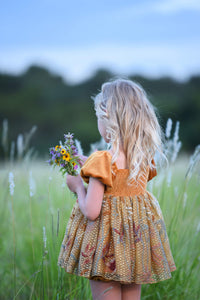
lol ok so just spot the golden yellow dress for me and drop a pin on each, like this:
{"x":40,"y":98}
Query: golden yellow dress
{"x":128,"y":242}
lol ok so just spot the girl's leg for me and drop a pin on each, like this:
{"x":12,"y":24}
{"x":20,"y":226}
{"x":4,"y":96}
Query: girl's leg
{"x":131,"y":291}
{"x":105,"y":290}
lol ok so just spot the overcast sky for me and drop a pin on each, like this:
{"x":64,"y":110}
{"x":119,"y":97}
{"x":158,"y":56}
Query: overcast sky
{"x":74,"y":38}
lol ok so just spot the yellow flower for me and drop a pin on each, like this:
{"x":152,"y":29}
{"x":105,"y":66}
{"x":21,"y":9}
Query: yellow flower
{"x":63,"y":152}
{"x":57,"y":147}
{"x":57,"y":162}
{"x":75,"y":166}
{"x":66,"y":157}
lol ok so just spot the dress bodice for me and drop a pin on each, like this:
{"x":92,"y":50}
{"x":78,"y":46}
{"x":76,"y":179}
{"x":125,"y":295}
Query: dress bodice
{"x":121,"y":187}
{"x":99,"y":166}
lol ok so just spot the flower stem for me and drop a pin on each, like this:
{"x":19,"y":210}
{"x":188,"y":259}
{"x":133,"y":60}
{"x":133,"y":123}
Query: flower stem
{"x":14,"y":246}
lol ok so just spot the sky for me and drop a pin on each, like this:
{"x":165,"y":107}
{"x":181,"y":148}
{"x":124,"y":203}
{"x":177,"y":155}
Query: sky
{"x":152,"y":38}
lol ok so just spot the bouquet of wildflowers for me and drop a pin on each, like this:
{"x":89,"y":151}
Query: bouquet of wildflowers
{"x":66,"y":156}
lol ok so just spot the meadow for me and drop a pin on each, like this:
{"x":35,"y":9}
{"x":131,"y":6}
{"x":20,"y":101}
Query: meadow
{"x":35,"y":207}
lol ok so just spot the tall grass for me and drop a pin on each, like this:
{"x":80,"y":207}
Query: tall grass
{"x":40,"y":223}
{"x":39,"y":227}
{"x":34,"y":216}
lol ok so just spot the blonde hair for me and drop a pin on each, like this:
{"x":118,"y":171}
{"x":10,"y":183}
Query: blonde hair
{"x":130,"y":119}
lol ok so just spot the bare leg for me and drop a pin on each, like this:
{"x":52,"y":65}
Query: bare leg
{"x":131,"y":291}
{"x":105,"y":290}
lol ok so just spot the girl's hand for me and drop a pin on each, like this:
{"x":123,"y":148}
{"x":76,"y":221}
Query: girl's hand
{"x":74,"y":182}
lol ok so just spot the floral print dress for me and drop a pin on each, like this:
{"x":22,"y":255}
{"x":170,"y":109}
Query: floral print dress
{"x":128,"y":242}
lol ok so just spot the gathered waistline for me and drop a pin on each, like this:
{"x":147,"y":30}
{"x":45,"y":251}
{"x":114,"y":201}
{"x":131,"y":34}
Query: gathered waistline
{"x":139,"y":193}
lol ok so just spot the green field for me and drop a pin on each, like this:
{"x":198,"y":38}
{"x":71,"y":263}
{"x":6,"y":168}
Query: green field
{"x":32,"y":228}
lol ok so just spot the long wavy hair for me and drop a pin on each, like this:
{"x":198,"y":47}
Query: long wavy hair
{"x":131,"y":121}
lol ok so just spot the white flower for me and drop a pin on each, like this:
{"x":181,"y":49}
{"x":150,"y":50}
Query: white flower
{"x":12,"y":151}
{"x":198,"y":227}
{"x":176,"y":143}
{"x":194,"y":160}
{"x":168,"y":128}
{"x":101,"y":145}
{"x":12,"y":184}
{"x":31,"y":184}
{"x":78,"y":146}
{"x":20,"y":145}
{"x":169,"y":177}
{"x":5,"y":135}
{"x":184,"y":199}
{"x":176,"y":191}
{"x":176,"y":136}
{"x":44,"y":237}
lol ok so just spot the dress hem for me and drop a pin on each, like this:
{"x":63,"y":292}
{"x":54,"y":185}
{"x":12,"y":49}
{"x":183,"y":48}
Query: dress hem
{"x":100,"y":277}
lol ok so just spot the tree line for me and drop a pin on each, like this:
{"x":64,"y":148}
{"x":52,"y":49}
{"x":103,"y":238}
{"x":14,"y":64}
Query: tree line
{"x":39,"y":97}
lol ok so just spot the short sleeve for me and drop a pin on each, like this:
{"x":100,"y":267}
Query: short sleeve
{"x":152,"y":171}
{"x":98,"y":165}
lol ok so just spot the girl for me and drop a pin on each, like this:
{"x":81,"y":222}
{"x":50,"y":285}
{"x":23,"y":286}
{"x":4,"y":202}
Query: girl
{"x":116,"y":234}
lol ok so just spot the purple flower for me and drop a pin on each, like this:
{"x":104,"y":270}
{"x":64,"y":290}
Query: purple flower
{"x":66,"y":147}
{"x":75,"y":152}
{"x":68,"y":136}
{"x":49,"y":161}
{"x":58,"y":159}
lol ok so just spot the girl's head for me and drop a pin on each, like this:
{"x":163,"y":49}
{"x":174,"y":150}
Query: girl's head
{"x":130,"y":122}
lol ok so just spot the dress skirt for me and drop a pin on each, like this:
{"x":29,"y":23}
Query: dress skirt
{"x":127,"y":243}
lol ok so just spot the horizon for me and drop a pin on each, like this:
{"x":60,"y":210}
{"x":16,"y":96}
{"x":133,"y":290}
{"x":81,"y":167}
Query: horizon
{"x":90,"y":77}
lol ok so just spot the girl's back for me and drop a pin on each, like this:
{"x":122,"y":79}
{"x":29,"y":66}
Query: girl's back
{"x":128,"y":241}
{"x":116,"y":232}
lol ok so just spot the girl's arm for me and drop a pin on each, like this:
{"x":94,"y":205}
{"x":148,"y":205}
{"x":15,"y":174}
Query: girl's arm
{"x":90,"y":201}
